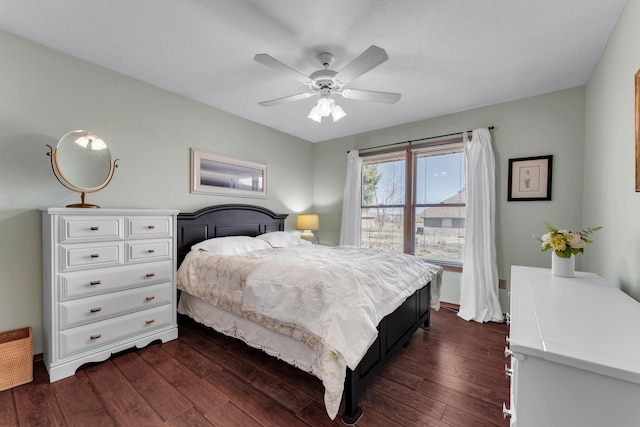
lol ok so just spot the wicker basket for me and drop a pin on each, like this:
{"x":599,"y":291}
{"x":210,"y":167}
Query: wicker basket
{"x":16,"y":358}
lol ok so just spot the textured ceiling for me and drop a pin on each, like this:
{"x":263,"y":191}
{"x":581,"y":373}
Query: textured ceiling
{"x":445,"y":56}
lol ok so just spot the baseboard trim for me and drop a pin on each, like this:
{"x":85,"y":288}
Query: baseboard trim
{"x":450,"y":306}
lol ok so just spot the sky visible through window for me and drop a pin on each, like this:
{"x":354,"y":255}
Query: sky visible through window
{"x":438,"y":178}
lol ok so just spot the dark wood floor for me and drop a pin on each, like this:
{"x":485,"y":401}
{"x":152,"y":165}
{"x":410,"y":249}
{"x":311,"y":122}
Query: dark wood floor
{"x":449,"y":375}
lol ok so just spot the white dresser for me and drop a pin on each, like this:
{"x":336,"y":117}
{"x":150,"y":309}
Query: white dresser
{"x":108,"y":283}
{"x":575,"y":351}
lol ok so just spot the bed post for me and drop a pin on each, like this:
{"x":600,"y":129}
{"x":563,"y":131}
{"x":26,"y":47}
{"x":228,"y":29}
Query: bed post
{"x":352,"y":412}
{"x":427,"y":321}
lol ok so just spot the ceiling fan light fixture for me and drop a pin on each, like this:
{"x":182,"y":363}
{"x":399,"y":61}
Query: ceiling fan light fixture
{"x":83,"y":141}
{"x":94,"y":143}
{"x":337,"y":112}
{"x":98,"y":144}
{"x":314,"y":115}
{"x":324,"y":106}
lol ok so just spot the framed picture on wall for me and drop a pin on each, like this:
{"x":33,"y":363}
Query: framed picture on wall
{"x":530,"y":178}
{"x":218,"y":174}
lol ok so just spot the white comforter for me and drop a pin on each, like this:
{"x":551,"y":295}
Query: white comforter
{"x":332,"y":299}
{"x":339,"y":294}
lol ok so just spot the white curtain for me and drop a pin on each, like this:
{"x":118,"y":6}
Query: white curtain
{"x":479,"y":282}
{"x":350,"y":225}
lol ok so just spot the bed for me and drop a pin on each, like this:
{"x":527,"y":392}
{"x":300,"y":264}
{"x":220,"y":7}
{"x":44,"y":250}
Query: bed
{"x":345,"y":360}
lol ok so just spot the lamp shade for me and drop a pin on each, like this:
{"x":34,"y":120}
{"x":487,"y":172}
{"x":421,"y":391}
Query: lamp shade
{"x":326,"y":106}
{"x":337,"y":112}
{"x":308,"y":222}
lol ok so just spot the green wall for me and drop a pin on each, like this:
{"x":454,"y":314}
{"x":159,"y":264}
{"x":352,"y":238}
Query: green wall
{"x":589,"y":130}
{"x":610,"y":199}
{"x":45,"y":94}
{"x":547,"y":124}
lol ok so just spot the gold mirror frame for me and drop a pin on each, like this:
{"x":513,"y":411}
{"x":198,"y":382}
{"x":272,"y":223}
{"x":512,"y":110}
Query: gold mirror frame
{"x":64,"y":180}
{"x":638,"y":131}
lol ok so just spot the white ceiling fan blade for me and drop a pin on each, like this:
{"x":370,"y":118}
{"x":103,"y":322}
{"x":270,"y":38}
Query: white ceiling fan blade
{"x":371,"y":95}
{"x":286,"y":99}
{"x":368,"y":60}
{"x":274,"y":64}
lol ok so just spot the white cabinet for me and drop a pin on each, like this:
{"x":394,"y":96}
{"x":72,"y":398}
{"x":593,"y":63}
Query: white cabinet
{"x":575,"y":350}
{"x":108,"y":283}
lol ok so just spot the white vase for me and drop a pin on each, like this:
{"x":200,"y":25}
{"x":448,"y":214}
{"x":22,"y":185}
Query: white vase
{"x":562,"y":267}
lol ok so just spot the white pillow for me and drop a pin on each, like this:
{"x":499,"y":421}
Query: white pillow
{"x":231,"y":245}
{"x":282,"y":239}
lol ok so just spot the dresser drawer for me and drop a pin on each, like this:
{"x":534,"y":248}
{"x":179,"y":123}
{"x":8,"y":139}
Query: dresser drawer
{"x":92,"y":309}
{"x":80,"y":284}
{"x":100,"y":334}
{"x":141,"y":227}
{"x":149,"y":250}
{"x":513,"y":388}
{"x":90,"y":228}
{"x":94,"y":255}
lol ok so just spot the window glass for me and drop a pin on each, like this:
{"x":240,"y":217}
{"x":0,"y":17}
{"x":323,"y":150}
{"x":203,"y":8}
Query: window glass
{"x":440,"y":205}
{"x":437,"y":213}
{"x":383,"y":202}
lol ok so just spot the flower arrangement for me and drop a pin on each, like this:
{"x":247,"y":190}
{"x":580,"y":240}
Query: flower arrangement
{"x":565,"y":242}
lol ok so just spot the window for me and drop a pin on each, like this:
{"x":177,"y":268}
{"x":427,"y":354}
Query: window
{"x":413,"y":201}
{"x":383,"y":201}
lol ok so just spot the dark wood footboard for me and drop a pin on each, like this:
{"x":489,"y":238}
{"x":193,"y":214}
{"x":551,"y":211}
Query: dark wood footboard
{"x":394,"y":332}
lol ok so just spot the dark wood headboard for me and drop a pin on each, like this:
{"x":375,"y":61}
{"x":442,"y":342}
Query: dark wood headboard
{"x":224,"y":220}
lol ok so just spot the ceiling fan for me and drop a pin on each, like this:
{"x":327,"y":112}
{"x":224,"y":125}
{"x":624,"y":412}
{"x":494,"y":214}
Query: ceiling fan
{"x":326,"y":82}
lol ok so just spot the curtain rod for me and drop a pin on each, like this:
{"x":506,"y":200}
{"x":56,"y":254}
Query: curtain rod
{"x":418,"y":140}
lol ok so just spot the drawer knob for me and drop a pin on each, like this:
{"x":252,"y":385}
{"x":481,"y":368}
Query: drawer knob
{"x":95,"y":255}
{"x":150,"y":298}
{"x":151,"y":227}
{"x":96,"y":309}
{"x":506,"y":412}
{"x":95,"y":228}
{"x":95,"y":337}
{"x":507,"y":352}
{"x":151,"y":251}
{"x":150,"y":321}
{"x":508,"y":372}
{"x":508,"y":318}
{"x":95,"y":282}
{"x":151,"y":274}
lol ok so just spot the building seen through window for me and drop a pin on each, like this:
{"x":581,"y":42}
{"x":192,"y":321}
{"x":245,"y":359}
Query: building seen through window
{"x":413,"y":201}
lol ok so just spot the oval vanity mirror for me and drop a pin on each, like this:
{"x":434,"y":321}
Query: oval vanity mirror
{"x":82,"y":163}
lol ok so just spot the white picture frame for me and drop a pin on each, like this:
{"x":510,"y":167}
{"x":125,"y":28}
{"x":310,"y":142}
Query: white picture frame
{"x":223,"y":175}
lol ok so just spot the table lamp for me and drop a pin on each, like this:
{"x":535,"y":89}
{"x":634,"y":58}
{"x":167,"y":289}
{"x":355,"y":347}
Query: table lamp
{"x":308,"y":222}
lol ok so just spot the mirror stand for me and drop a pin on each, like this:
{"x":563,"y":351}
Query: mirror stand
{"x":82,"y":203}
{"x":57,"y":172}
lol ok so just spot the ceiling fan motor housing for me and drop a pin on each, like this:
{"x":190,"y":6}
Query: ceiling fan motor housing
{"x":324,"y":79}
{"x":326,"y":59}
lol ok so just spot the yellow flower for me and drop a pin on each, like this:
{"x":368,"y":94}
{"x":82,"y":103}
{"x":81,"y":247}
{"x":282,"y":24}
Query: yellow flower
{"x":558,"y":242}
{"x":564,"y":242}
